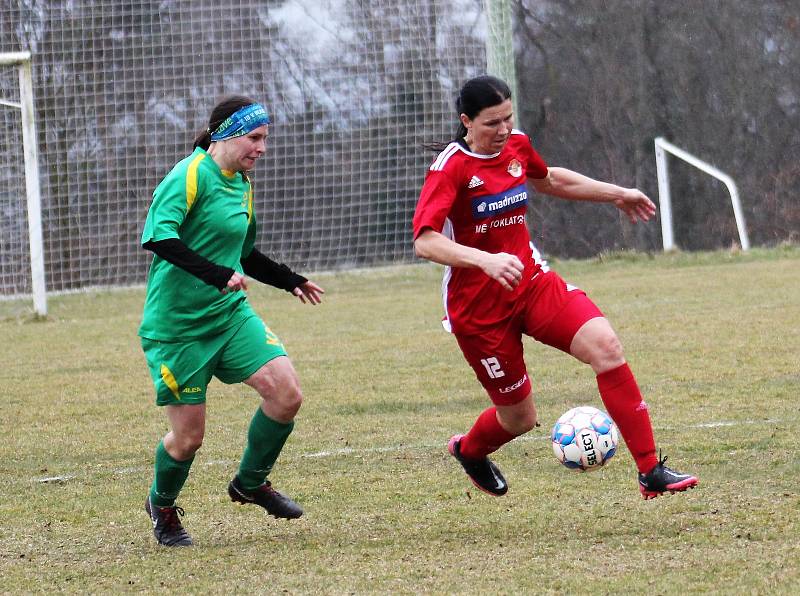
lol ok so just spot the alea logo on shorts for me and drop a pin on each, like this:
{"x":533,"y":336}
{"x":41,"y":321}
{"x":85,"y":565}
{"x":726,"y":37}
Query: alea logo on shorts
{"x":491,"y":205}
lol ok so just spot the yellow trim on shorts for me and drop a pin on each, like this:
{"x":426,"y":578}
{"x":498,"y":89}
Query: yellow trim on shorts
{"x":169,"y":381}
{"x":191,"y":180}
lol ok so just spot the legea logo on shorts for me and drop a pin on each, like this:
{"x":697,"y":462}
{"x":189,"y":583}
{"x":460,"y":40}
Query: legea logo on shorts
{"x":191,"y":390}
{"x":490,"y":205}
{"x":515,"y":386}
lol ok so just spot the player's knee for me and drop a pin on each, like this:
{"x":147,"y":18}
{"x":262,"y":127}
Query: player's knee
{"x":279,"y":387}
{"x":607,"y":352}
{"x":291,"y":400}
{"x":187,"y":444}
{"x":612,"y":347}
{"x":283,"y":401}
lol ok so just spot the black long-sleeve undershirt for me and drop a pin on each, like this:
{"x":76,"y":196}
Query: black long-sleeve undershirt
{"x":259,"y":266}
{"x":256,"y":265}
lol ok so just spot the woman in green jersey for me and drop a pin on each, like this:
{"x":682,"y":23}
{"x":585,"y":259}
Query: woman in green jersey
{"x":197,"y":322}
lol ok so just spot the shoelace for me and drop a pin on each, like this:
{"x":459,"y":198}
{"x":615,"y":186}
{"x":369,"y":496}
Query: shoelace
{"x":659,"y":466}
{"x":266,"y":488}
{"x":666,"y":472}
{"x":170,"y":517}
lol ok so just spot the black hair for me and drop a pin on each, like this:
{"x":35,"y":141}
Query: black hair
{"x":224,"y":108}
{"x":477,"y":94}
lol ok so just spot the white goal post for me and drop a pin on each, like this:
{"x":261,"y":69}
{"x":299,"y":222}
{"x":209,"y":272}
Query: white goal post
{"x":22,"y":60}
{"x":665,"y":200}
{"x":500,"y":44}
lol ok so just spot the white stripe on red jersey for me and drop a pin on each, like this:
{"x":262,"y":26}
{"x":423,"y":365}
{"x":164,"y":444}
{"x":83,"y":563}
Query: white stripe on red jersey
{"x":440,"y":161}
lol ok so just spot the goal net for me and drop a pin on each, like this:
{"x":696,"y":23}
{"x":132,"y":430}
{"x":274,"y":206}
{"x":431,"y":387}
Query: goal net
{"x":15,"y":264}
{"x":121,"y":88}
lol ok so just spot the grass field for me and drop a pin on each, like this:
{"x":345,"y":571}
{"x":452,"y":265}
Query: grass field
{"x":713,"y":338}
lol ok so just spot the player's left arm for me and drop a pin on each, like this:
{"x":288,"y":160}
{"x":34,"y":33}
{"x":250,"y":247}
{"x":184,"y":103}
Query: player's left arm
{"x":259,"y":266}
{"x":570,"y":185}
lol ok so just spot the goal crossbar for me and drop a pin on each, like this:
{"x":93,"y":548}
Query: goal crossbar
{"x":13,"y":58}
{"x":662,"y":146}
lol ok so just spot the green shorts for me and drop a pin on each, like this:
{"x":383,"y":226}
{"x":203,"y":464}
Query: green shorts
{"x":181,"y":371}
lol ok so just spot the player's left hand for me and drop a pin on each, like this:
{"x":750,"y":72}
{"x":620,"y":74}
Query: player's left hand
{"x":235,"y":283}
{"x":309,"y":292}
{"x":636,"y":205}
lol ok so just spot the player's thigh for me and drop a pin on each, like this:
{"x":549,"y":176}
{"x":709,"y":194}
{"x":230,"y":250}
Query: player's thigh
{"x":277,"y":381}
{"x":597,"y":344}
{"x":497,"y":358}
{"x":247,"y":350}
{"x":556,"y":310}
{"x":180,"y":371}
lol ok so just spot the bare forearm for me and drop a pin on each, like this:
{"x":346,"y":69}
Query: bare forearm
{"x":436,"y":247}
{"x":506,"y":269}
{"x":567,"y":184}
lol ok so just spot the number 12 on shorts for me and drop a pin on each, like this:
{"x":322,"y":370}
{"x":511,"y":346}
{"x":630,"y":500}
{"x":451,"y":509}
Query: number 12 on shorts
{"x":493,"y":368}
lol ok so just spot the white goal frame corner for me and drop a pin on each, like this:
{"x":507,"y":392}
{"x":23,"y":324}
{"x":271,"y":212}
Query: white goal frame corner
{"x":662,"y":147}
{"x":22,"y":60}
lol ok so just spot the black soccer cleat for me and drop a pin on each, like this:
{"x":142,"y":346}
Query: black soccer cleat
{"x":167,"y":526}
{"x":661,"y":479}
{"x":483,"y":472}
{"x":276,"y":504}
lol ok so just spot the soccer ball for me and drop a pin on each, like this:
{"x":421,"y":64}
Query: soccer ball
{"x":584,"y":438}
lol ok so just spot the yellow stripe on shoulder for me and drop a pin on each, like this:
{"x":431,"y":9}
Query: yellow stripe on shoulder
{"x":191,"y":180}
{"x":250,"y":203}
{"x":169,"y":381}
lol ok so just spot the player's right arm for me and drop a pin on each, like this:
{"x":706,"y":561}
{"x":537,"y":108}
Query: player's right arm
{"x":504,"y":268}
{"x":172,"y":200}
{"x":174,"y":251}
{"x":436,"y":200}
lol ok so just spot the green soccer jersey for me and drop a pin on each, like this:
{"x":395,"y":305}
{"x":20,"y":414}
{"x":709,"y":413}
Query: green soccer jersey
{"x":211,"y":211}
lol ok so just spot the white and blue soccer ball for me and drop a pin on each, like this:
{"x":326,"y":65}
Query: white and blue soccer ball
{"x":584,"y":438}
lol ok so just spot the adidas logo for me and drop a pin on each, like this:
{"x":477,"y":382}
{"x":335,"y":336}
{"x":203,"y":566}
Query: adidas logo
{"x":474,"y":182}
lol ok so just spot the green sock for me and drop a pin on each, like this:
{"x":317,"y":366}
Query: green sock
{"x":169,"y":478}
{"x":265,"y":439}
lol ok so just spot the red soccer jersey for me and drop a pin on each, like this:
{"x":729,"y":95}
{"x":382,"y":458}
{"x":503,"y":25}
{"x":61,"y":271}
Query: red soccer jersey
{"x":480,"y":201}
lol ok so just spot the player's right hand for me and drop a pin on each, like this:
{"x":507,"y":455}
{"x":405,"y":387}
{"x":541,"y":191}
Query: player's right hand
{"x":504,"y":268}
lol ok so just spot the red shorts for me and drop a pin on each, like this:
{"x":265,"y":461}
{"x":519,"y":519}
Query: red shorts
{"x":551,"y":312}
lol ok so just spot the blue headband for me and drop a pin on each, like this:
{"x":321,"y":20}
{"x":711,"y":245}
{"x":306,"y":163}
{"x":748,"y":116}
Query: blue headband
{"x":241,"y":122}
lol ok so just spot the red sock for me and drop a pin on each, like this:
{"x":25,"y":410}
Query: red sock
{"x":626,"y":407}
{"x":485,"y":436}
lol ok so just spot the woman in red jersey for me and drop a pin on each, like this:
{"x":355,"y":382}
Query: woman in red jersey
{"x":471,"y":218}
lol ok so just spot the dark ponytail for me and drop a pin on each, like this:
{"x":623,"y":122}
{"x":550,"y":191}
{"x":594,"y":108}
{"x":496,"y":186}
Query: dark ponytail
{"x":477,"y":94}
{"x":461,"y":131}
{"x":226,"y":106}
{"x":203,"y":140}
